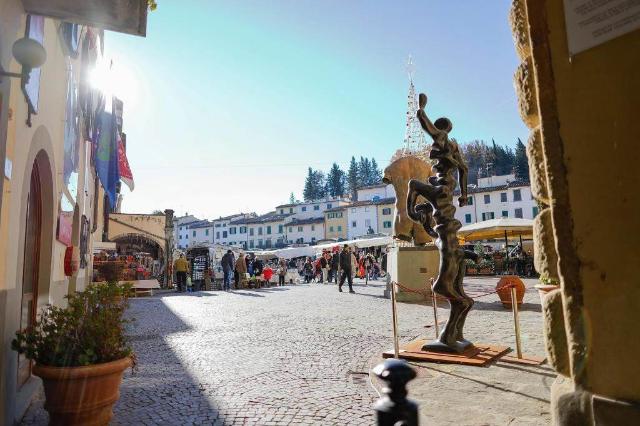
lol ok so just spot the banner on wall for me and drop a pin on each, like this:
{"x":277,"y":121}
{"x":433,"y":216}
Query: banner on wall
{"x":106,"y":157}
{"x":126,"y":175}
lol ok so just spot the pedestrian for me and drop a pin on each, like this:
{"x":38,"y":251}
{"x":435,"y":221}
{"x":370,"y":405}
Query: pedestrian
{"x":324,"y":266}
{"x":241,"y":270}
{"x":307,"y":269}
{"x":267,"y":273}
{"x":346,"y":264}
{"x":228,"y":263}
{"x":335,"y":266}
{"x":181,"y":266}
{"x":282,"y":271}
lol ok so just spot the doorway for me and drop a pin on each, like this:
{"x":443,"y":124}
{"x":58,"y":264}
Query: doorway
{"x":31,"y":265}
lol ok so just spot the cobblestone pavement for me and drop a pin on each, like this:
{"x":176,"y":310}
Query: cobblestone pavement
{"x":301,"y":355}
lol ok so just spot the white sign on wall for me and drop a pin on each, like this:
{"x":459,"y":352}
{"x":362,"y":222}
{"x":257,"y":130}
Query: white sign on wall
{"x":593,"y":22}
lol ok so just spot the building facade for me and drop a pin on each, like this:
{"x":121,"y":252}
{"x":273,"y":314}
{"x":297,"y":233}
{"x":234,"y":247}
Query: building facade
{"x":495,"y":197}
{"x":52,"y":205}
{"x":335,"y":223}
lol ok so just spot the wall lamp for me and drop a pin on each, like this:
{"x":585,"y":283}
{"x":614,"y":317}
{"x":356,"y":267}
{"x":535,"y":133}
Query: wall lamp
{"x":30,"y":54}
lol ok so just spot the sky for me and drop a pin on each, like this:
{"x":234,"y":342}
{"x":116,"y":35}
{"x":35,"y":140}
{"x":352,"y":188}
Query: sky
{"x":227,"y":103}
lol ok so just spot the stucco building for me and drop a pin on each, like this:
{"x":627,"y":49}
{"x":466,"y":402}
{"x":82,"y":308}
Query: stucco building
{"x":52,"y":205}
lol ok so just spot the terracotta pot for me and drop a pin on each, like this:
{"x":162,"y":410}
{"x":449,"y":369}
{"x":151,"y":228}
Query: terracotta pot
{"x":543,"y":289}
{"x":472,"y":271}
{"x":504,"y":291}
{"x":82,"y":395}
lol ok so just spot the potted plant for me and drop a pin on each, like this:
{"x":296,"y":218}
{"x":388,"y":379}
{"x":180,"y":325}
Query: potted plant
{"x":547,"y":284}
{"x":80,"y":352}
{"x":486,"y":266}
{"x":471,"y":267}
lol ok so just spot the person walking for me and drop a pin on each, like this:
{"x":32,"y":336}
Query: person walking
{"x":282,"y":271}
{"x":181,"y":266}
{"x":227,"y":262}
{"x":335,"y":266}
{"x":346,"y":264}
{"x":241,"y":270}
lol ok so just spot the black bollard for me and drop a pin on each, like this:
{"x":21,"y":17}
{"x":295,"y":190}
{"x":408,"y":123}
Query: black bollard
{"x":393,"y":408}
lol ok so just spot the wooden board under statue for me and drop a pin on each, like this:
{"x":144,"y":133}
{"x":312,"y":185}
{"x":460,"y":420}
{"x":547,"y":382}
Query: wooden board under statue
{"x":411,"y":266}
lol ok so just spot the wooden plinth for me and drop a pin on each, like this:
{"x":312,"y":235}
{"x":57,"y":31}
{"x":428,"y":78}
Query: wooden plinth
{"x":479,"y":355}
{"x":526,"y":360}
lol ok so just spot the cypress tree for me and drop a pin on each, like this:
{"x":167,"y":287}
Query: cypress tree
{"x":352,"y":179}
{"x":521,"y":163}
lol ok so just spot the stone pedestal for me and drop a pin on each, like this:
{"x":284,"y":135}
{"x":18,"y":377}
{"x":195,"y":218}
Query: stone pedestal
{"x":413,"y":268}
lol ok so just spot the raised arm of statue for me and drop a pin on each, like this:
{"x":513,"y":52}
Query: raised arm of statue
{"x":426,"y":124}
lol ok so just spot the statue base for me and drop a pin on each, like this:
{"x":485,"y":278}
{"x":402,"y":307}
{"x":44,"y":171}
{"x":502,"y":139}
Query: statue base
{"x":413,"y":268}
{"x":478,"y":355}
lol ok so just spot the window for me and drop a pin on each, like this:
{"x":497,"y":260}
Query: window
{"x":505,"y":213}
{"x":313,"y":239}
{"x":217,"y":225}
{"x":386,"y":224}
{"x":313,"y":227}
{"x":181,"y":228}
{"x":224,"y":234}
{"x":316,"y":207}
{"x":339,"y":228}
{"x":268,"y":229}
{"x":259,"y":230}
{"x":224,"y":225}
{"x":268,"y":243}
{"x":186,"y":236}
{"x":518,"y":213}
{"x":304,"y":208}
{"x":367,"y":223}
{"x":194,"y":233}
{"x":281,"y":211}
{"x":503,"y":197}
{"x":299,"y":228}
{"x":232,"y":230}
{"x":243,"y":229}
{"x":290,"y":229}
{"x":353,"y":224}
{"x":334,"y":215}
{"x":329,"y":205}
{"x":331,"y":229}
{"x":180,"y":236}
{"x":218,"y":235}
{"x":366,"y":209}
{"x":206,"y":232}
{"x":291,"y":210}
{"x":470,"y":200}
{"x":386,"y":211}
{"x":534,"y":211}
{"x":260,"y":243}
{"x":517,"y":196}
{"x":353,"y":210}
{"x":251,"y":244}
{"x":467,"y":218}
{"x":488,"y":215}
{"x":280,"y":229}
{"x":251,"y":232}
{"x":487,"y":198}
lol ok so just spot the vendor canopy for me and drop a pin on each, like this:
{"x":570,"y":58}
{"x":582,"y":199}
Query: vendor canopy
{"x":497,"y":228}
{"x":292,"y":252}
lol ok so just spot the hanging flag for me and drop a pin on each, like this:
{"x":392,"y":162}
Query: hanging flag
{"x":123,"y":165}
{"x":106,"y":158}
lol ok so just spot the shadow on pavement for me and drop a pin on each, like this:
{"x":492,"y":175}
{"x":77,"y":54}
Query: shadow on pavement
{"x":497,"y":306}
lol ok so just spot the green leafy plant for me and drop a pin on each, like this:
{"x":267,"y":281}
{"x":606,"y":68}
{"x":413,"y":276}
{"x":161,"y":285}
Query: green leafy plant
{"x":90,"y":330}
{"x":486,"y":264}
{"x":546,"y":280}
{"x":470,"y":263}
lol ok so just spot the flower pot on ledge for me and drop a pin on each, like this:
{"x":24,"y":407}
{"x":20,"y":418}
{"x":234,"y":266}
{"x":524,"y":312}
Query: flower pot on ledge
{"x":82,"y":395}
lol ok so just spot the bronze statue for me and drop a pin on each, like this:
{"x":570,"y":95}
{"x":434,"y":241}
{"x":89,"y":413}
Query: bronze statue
{"x":439,"y":210}
{"x":398,"y":173}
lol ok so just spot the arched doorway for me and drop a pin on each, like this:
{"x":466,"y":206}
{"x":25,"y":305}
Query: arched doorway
{"x":31,"y":264}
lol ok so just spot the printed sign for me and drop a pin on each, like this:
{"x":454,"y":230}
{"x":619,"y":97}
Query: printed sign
{"x":593,"y":22}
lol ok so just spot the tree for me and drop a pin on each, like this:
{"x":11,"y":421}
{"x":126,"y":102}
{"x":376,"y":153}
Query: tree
{"x":376,"y":173}
{"x":157,"y":212}
{"x":320,"y":188}
{"x":335,"y":181}
{"x":352,"y":179}
{"x":521,"y":163}
{"x":292,"y":198}
{"x":364,"y":171}
{"x":308,"y":192}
